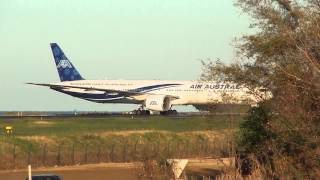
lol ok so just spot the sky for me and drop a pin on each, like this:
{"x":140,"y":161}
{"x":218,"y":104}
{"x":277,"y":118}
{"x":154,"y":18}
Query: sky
{"x":109,"y":39}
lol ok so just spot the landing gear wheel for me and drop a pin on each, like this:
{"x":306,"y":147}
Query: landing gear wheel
{"x":141,"y":112}
{"x":174,"y":112}
{"x":148,"y":113}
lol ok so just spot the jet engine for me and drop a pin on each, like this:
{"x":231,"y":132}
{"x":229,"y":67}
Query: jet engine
{"x":158,"y":103}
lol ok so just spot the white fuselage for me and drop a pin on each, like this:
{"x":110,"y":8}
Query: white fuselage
{"x":188,"y":92}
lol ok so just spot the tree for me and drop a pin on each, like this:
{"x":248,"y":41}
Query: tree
{"x":283,"y":56}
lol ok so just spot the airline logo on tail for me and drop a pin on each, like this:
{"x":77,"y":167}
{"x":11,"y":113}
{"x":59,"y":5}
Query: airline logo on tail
{"x":64,"y":64}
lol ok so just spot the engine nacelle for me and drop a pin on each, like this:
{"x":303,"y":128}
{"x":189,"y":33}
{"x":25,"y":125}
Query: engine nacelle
{"x":158,"y":103}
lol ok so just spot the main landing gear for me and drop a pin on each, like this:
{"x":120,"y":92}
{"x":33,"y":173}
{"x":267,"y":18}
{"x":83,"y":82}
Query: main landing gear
{"x":142,"y":111}
{"x":169,"y":113}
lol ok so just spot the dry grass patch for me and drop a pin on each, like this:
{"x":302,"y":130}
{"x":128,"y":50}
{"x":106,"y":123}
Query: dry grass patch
{"x":38,"y":139}
{"x":43,"y":123}
{"x":128,"y":133}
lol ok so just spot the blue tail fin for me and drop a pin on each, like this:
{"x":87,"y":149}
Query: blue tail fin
{"x":66,"y":70}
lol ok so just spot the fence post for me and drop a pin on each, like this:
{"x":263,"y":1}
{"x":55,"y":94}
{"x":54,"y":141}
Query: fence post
{"x":207,"y":147}
{"x":168,"y":149}
{"x":112,"y":153}
{"x":99,"y":153}
{"x":14,"y":155}
{"x":222,"y":146}
{"x":199,"y":147}
{"x":214,"y":152}
{"x":72,"y":154}
{"x":29,"y":155}
{"x":186,"y":147}
{"x":59,"y":155}
{"x":135,"y":150}
{"x":176,"y":149}
{"x":44,"y":155}
{"x":86,"y":153}
{"x":124,"y":152}
{"x":157,"y":148}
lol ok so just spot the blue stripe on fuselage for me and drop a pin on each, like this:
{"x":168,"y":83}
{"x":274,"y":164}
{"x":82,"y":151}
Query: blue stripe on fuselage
{"x":86,"y":95}
{"x":118,"y":98}
{"x":153,"y":87}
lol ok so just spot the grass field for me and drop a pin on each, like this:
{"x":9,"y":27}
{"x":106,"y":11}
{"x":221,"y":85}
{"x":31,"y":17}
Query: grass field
{"x":86,"y":125}
{"x":74,"y":140}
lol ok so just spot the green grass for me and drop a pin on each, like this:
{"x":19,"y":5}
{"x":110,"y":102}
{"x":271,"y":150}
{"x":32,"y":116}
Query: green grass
{"x":86,"y":136}
{"x":87,"y":125}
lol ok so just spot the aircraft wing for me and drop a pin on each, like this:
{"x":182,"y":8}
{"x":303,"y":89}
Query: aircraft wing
{"x":132,"y":94}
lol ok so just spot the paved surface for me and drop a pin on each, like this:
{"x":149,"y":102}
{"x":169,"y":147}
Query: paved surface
{"x":117,"y":171}
{"x":86,"y":172}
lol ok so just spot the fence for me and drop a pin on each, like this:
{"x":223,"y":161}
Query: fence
{"x":118,"y":149}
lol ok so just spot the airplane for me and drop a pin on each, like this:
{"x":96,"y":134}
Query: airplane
{"x":151,"y":95}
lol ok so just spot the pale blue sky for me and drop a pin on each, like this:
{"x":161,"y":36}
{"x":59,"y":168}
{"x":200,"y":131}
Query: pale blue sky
{"x":113,"y":39}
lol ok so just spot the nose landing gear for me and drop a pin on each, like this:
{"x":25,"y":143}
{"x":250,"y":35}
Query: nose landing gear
{"x":141,"y":111}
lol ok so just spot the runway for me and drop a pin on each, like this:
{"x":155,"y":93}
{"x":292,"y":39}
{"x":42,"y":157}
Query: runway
{"x":104,"y":114}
